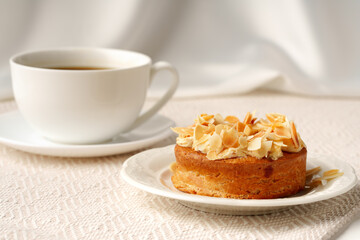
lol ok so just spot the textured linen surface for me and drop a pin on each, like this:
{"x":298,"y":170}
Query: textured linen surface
{"x":45,"y":197}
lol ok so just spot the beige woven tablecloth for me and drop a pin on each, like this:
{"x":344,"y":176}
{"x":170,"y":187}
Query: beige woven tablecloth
{"x":56,"y":198}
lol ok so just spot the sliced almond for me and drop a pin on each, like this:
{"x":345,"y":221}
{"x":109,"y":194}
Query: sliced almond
{"x":247,"y":130}
{"x":219,"y":119}
{"x":326,"y":177}
{"x":290,"y":146}
{"x":219,"y":128}
{"x":243,"y":142}
{"x":232,"y":119}
{"x":330,"y":172}
{"x":294,"y":135}
{"x":183,"y":131}
{"x":279,"y":143}
{"x":277,"y":124}
{"x":203,"y":139}
{"x":240,"y":127}
{"x":200,"y":120}
{"x":266,"y":145}
{"x":229,"y":138}
{"x":205,"y":123}
{"x":215,"y":143}
{"x":272,"y":136}
{"x":259,"y":134}
{"x":207,"y":117}
{"x":248,"y":118}
{"x":236,"y":144}
{"x":275,"y":151}
{"x":282,"y":132}
{"x":330,"y":177}
{"x":276,"y":117}
{"x":264,"y":122}
{"x":254,"y":144}
{"x":210,"y":129}
{"x":199,"y":131}
{"x":270,"y":117}
{"x":336,"y":176}
{"x":313,"y":171}
{"x":248,"y":138}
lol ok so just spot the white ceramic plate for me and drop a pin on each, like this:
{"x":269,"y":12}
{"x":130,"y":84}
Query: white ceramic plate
{"x":149,"y":171}
{"x":16,"y":133}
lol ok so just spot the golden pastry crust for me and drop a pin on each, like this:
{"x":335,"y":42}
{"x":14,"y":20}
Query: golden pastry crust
{"x":242,"y":177}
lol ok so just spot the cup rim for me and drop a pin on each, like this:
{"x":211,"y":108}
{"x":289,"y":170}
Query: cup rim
{"x":14,"y":58}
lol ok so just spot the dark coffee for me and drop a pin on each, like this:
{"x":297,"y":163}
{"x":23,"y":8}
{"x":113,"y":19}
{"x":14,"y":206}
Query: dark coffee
{"x":78,"y":68}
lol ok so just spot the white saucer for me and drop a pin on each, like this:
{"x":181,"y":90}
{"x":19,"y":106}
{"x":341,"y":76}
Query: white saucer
{"x":149,"y":171}
{"x":16,"y":133}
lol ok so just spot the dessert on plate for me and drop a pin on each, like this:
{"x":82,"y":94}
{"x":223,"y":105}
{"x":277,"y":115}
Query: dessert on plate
{"x":249,"y":159}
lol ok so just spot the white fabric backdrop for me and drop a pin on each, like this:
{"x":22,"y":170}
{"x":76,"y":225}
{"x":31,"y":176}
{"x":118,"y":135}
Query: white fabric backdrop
{"x":219,"y":47}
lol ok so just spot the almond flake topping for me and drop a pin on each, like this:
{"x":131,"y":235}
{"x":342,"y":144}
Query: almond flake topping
{"x":314,"y":180}
{"x":221,"y":138}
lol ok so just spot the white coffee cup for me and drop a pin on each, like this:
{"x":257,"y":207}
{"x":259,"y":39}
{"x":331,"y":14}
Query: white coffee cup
{"x":85,"y":106}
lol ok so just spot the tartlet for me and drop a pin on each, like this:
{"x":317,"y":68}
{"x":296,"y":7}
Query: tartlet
{"x":249,"y":159}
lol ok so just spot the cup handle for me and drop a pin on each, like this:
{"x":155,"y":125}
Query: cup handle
{"x":155,"y":68}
